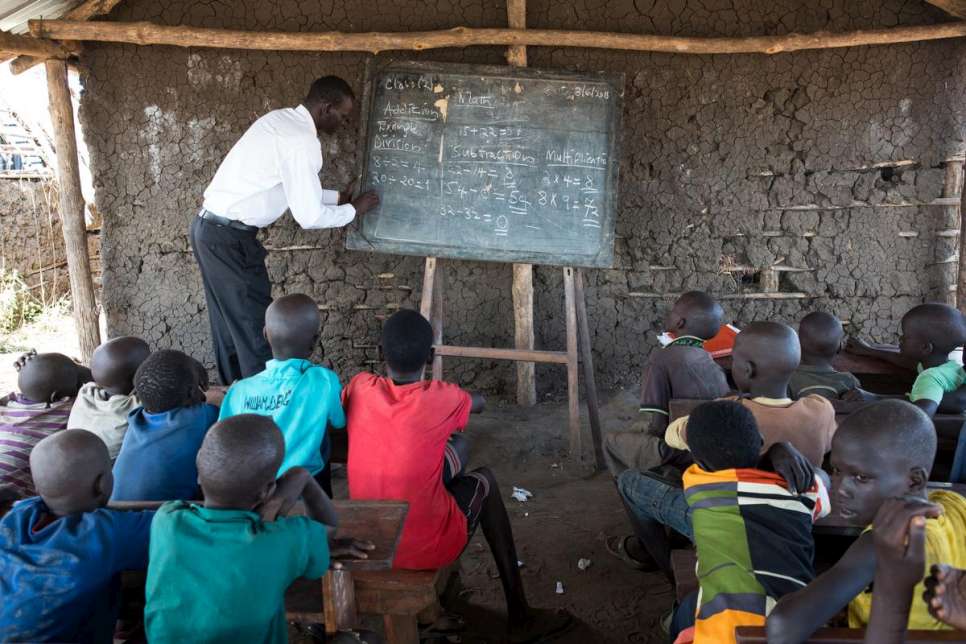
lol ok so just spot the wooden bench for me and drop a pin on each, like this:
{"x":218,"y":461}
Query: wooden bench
{"x":756,"y":635}
{"x":683,"y":562}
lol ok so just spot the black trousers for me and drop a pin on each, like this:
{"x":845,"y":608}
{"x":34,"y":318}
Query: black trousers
{"x":237,"y":290}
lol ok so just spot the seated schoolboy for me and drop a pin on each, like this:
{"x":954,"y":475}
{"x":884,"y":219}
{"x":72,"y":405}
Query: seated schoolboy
{"x":881,"y":451}
{"x":821,"y":336}
{"x":399,"y":426}
{"x":219,"y":570}
{"x":102,"y":406}
{"x":764,"y":357}
{"x":157,"y":457}
{"x":752,"y":529}
{"x":682,"y":369}
{"x":61,"y":553}
{"x":47,"y":383}
{"x":303,"y":398}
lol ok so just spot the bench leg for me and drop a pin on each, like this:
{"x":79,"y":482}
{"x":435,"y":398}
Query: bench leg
{"x":401,"y":629}
{"x":339,"y":601}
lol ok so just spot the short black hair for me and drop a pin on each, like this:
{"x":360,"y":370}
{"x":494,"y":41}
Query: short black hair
{"x":820,"y":334}
{"x":329,"y":89}
{"x":943,"y":325}
{"x":894,"y":428}
{"x":166,"y":380}
{"x":49,"y":376}
{"x":239,"y":456}
{"x":407,"y":341}
{"x":722,"y":435}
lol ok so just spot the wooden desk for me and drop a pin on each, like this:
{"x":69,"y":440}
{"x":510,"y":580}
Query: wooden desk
{"x":756,"y":635}
{"x":874,"y":374}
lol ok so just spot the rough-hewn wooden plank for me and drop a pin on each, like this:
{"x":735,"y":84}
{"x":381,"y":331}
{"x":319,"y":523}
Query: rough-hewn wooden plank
{"x":952,"y":7}
{"x":145,"y":33}
{"x":17,"y":44}
{"x":83,"y":11}
{"x":72,"y":209}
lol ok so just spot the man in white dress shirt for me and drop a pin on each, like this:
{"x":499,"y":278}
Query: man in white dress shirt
{"x":274,"y":166}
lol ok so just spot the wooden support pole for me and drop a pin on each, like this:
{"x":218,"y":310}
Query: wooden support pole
{"x":146,"y":33}
{"x":437,"y":322}
{"x":429,"y":281}
{"x":961,"y":282}
{"x":952,"y":182}
{"x":72,"y":209}
{"x":590,"y":379}
{"x":573,"y":393}
{"x":523,"y":336}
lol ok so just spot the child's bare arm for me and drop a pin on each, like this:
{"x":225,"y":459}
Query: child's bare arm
{"x":319,"y":506}
{"x":294,"y":484}
{"x":478,"y":403}
{"x":888,"y":353}
{"x":953,"y":402}
{"x":797,"y":615}
{"x":928,"y":406}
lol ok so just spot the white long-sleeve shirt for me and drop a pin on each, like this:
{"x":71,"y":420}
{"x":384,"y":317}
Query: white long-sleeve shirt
{"x":275,"y":165}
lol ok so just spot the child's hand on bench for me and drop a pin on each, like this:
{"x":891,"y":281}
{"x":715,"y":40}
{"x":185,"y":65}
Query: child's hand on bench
{"x":349,"y":548}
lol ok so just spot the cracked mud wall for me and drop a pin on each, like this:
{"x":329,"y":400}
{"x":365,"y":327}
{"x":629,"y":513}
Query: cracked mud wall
{"x":783,"y":184}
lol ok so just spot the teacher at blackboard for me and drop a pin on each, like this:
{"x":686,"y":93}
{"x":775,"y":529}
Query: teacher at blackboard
{"x":274,"y":166}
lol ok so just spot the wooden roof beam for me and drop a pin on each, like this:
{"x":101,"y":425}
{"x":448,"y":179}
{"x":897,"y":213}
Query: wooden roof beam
{"x":84,"y":11}
{"x":16,"y":44}
{"x":145,"y":33}
{"x":952,"y":7}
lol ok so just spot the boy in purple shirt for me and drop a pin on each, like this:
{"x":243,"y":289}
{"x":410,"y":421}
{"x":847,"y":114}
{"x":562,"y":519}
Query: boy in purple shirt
{"x":61,"y":553}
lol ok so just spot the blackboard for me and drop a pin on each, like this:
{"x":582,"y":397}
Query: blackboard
{"x":491,"y":163}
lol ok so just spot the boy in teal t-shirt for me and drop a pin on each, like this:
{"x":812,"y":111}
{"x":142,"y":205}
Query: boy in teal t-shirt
{"x":930,"y":332}
{"x":240,"y":528}
{"x":303,"y":398}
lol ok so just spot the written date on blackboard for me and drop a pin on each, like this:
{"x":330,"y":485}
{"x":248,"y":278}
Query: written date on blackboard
{"x":492,"y":163}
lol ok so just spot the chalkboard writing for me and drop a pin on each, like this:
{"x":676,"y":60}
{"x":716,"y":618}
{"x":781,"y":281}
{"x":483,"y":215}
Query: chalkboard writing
{"x":491,"y":163}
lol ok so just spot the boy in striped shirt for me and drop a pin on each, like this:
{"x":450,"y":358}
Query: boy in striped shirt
{"x":752,"y":529}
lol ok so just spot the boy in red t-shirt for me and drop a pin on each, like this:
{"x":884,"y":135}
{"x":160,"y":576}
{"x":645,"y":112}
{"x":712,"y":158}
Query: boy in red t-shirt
{"x":399,"y":448}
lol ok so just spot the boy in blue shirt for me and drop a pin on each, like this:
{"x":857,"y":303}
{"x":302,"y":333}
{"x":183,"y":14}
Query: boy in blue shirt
{"x":61,"y":553}
{"x":303,"y":398}
{"x":241,"y":528}
{"x":157,"y":457}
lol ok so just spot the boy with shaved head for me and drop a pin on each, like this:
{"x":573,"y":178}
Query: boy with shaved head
{"x":683,"y":369}
{"x":240,"y":528}
{"x":821,"y":337}
{"x":102,"y":406}
{"x":61,"y":553}
{"x":882,"y":451}
{"x":47,"y":382}
{"x":303,"y":398}
{"x":764,"y":357}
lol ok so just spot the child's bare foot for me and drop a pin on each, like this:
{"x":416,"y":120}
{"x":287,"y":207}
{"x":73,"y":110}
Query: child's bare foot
{"x":539,"y":624}
{"x":946,"y":595}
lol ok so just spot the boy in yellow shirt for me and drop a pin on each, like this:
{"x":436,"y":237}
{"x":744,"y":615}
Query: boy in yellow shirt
{"x":883,"y":450}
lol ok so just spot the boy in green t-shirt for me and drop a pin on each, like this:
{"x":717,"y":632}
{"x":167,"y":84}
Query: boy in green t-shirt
{"x":218,"y":571}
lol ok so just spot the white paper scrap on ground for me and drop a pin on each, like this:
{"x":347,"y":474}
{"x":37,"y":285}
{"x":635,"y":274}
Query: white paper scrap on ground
{"x":560,"y":590}
{"x":521,"y":495}
{"x":584,"y":564}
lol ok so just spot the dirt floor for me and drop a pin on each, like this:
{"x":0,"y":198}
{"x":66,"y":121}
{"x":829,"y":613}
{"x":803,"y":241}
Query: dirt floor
{"x":571,"y":512}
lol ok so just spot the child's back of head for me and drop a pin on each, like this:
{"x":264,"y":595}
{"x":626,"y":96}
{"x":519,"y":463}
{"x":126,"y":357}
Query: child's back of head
{"x":115,"y":362}
{"x":238,"y":460}
{"x":723,"y":435}
{"x":72,"y":472}
{"x":407,"y":342}
{"x":48,"y":377}
{"x":696,"y":314}
{"x":764,"y":357}
{"x":292,"y":326}
{"x":167,"y":380}
{"x":820,"y":335}
{"x":932,"y":329}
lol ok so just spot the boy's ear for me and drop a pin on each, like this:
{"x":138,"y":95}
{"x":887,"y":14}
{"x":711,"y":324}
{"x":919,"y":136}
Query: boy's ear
{"x":749,"y":369}
{"x":265,"y":334}
{"x":104,"y":485}
{"x":266,"y":492}
{"x":918,"y":479}
{"x":432,"y":355}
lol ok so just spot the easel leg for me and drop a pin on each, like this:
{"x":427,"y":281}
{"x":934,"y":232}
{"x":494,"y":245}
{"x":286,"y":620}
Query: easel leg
{"x":431,"y":308}
{"x":590,"y":382}
{"x":570,"y":311}
{"x":437,"y":322}
{"x":523,"y":332}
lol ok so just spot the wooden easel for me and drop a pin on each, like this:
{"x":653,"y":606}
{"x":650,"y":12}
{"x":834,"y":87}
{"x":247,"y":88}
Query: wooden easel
{"x":578,"y":331}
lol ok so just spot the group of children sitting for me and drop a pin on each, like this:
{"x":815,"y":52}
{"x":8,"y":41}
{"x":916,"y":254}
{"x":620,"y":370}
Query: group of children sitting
{"x":741,"y":477}
{"x":229,"y":466}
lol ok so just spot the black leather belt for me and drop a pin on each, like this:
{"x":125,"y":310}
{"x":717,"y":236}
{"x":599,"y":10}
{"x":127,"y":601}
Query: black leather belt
{"x":222,"y":221}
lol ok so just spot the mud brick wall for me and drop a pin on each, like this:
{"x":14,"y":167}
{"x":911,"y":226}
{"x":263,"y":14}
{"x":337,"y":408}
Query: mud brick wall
{"x":783,"y":184}
{"x":31,"y":240}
